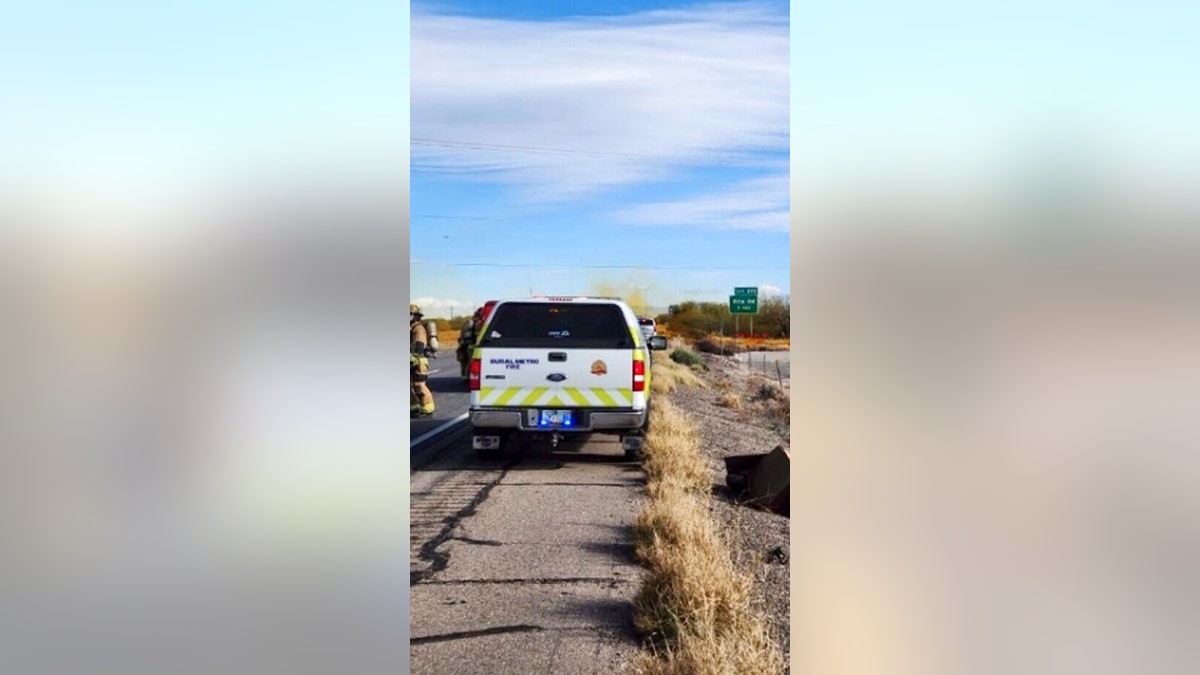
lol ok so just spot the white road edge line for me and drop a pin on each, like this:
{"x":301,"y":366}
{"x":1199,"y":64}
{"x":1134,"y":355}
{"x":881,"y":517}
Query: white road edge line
{"x":429,"y":434}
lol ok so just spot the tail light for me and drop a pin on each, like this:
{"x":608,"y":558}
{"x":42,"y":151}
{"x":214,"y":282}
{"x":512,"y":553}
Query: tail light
{"x":473,"y":374}
{"x":639,"y":376}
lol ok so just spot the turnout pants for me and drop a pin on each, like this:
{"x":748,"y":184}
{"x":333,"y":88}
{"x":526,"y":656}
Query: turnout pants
{"x":420,"y":398}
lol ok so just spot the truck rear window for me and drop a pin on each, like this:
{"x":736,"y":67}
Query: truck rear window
{"x":565,"y":325}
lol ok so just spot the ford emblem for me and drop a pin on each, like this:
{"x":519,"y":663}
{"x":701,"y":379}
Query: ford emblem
{"x":556,"y":377}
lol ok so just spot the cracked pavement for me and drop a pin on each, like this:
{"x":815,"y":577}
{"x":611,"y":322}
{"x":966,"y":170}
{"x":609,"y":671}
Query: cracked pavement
{"x":524,"y":565}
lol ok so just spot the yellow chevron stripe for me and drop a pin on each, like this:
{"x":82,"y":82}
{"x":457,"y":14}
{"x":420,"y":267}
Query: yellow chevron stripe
{"x":533,"y":397}
{"x":566,"y":397}
{"x":508,"y":395}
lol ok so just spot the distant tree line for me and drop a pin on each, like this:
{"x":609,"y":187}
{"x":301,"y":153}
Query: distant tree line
{"x":696,"y":319}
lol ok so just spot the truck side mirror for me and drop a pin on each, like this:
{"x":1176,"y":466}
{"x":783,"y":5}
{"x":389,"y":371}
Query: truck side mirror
{"x":658,"y":342}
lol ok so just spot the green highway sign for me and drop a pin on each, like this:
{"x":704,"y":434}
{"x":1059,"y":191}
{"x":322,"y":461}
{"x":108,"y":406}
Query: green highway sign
{"x":746,"y":291}
{"x":743,"y":304}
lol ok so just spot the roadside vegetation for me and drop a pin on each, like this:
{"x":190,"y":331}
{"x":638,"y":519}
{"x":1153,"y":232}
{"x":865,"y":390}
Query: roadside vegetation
{"x":715,"y":344}
{"x":687,"y":358}
{"x":770,"y":398}
{"x":695,"y":607}
{"x":666,"y":376}
{"x":695,"y":320}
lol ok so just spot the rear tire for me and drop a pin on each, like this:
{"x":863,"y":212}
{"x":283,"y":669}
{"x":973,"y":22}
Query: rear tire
{"x":639,"y":454}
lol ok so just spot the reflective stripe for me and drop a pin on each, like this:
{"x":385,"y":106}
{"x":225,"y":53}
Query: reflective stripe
{"x":532,"y":398}
{"x":544,"y":396}
{"x":507,"y":396}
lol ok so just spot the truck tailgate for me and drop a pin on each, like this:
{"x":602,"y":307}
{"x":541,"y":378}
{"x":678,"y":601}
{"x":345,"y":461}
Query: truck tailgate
{"x":592,"y":378}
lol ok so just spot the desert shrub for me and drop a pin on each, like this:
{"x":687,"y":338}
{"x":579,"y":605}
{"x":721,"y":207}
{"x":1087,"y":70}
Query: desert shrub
{"x":686,"y":358}
{"x":766,"y":390}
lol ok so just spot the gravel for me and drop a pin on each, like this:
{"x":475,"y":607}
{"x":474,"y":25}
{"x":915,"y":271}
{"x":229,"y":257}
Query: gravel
{"x":760,"y":539}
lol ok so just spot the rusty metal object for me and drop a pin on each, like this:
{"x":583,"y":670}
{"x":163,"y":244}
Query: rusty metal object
{"x":763,"y":479}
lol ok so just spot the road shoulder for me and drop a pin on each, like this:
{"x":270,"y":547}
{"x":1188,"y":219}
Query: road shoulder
{"x":524,"y":566}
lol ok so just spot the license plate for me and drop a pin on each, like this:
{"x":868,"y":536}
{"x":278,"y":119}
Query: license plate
{"x":555,"y":418}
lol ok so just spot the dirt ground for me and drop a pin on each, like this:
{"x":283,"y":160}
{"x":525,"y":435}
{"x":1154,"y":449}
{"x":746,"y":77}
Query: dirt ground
{"x":760,"y":539}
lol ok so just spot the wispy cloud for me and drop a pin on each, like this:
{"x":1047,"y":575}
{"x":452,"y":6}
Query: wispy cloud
{"x":562,"y":109}
{"x":428,"y":303}
{"x":757,"y":204}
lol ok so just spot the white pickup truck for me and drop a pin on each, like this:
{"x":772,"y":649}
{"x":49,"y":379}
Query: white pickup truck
{"x":557,"y":366}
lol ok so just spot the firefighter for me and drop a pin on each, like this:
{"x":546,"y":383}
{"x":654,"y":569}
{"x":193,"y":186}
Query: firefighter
{"x":466,"y":340}
{"x":421,"y":399}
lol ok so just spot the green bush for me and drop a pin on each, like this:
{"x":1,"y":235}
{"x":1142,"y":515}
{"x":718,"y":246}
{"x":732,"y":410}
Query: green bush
{"x":694,"y":320}
{"x":687,"y":358}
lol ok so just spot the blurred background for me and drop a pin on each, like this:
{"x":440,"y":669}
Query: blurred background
{"x":204,"y":243}
{"x":203,"y":274}
{"x":996,"y":384}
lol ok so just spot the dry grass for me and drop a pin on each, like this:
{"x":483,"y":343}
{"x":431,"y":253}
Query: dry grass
{"x":770,"y":399}
{"x":730,"y":400}
{"x":767,"y":390}
{"x":771,"y":344}
{"x":694,"y":605}
{"x":672,"y":452}
{"x":667,"y":376}
{"x":716,"y":344}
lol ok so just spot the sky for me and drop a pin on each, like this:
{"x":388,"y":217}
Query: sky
{"x":637,"y":149}
{"x":640,"y":138}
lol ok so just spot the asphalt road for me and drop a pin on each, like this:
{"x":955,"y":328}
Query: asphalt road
{"x":523,"y":565}
{"x":767,"y":362}
{"x":450,"y":394}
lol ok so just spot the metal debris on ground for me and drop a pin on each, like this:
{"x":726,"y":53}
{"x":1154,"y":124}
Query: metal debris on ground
{"x":764,"y":479}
